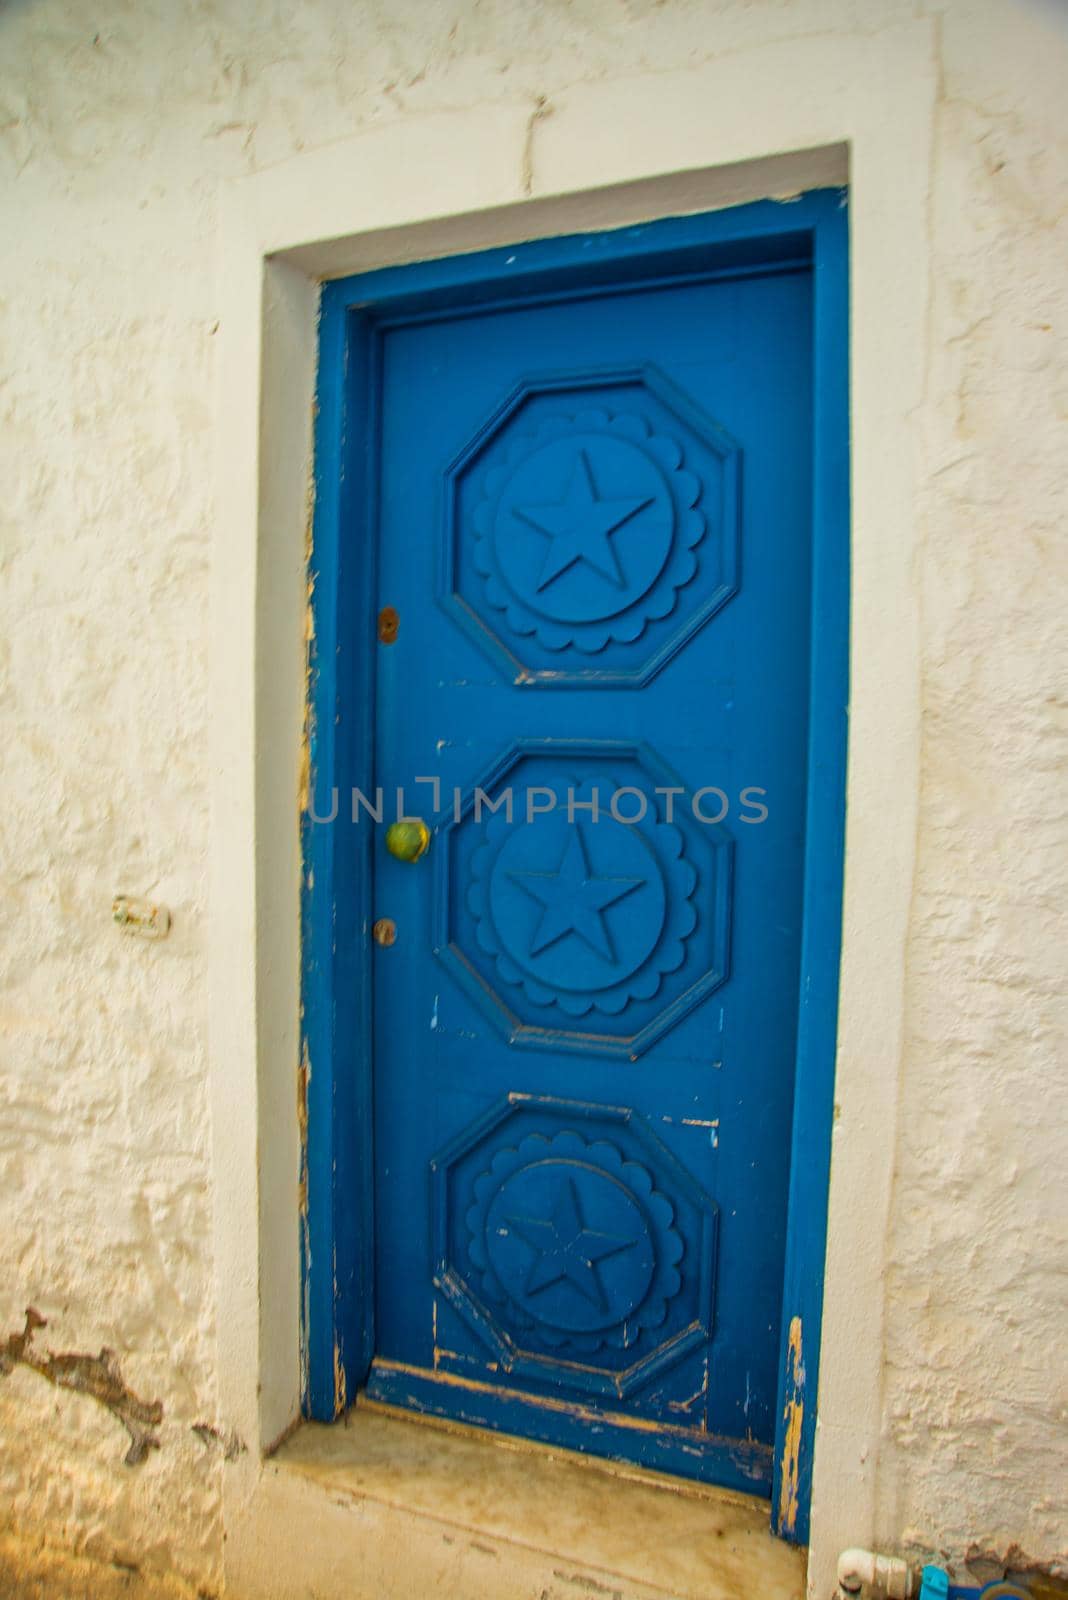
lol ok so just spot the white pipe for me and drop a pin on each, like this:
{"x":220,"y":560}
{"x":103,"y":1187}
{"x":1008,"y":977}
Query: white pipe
{"x":887,"y":1576}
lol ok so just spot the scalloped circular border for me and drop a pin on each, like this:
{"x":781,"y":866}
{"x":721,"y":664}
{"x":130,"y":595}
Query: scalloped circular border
{"x":660,"y":599}
{"x":666,"y":956}
{"x":655,"y":1207}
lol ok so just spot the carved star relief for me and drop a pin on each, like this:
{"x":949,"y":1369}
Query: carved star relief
{"x":565,"y":1249}
{"x":579,"y":527}
{"x":573,"y":901}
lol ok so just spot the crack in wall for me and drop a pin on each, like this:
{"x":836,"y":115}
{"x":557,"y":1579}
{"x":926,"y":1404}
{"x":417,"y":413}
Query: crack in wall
{"x":98,"y":1376}
{"x":542,"y":109}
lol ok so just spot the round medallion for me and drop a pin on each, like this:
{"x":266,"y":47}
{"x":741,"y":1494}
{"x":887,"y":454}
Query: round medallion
{"x":583,"y":527}
{"x":573,"y":1244}
{"x":587,"y":529}
{"x":578,"y":907}
{"x":584,"y":915}
{"x":569,"y":1245}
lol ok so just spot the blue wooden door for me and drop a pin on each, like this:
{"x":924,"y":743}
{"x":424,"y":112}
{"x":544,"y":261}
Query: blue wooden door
{"x":593,"y":526}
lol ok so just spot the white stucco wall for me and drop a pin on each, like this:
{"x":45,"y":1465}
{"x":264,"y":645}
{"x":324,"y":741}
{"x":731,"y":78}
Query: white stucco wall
{"x":118,"y":124}
{"x":976,"y":1387}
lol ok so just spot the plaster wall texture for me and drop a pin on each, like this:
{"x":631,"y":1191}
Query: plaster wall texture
{"x":118,"y":124}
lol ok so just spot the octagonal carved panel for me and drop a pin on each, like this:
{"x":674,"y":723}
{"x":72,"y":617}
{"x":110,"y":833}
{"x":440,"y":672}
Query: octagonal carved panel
{"x":574,"y":1244}
{"x":592,"y":526}
{"x":572,"y":927}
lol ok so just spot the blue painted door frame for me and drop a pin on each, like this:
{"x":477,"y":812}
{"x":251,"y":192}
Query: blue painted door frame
{"x":338,"y":1166}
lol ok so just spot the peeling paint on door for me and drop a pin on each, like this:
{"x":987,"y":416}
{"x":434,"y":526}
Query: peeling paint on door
{"x":793,"y":1417}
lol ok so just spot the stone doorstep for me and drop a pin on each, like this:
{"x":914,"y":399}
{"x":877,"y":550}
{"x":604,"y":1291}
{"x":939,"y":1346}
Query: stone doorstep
{"x":384,"y":1505}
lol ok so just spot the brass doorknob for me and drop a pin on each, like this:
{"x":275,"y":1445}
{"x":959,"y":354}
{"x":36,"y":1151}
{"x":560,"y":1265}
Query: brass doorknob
{"x":408,"y":839}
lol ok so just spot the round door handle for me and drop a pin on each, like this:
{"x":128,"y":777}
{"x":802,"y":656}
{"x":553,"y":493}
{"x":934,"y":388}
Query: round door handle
{"x":408,"y":839}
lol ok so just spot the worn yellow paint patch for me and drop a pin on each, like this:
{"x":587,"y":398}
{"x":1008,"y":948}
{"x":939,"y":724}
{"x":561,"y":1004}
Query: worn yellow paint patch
{"x":793,"y":1416}
{"x":571,"y":1408}
{"x":341,"y":1399}
{"x":307,"y":733}
{"x":303,"y":1079}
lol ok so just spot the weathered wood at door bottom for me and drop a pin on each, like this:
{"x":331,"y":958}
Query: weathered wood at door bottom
{"x":688,"y":1452}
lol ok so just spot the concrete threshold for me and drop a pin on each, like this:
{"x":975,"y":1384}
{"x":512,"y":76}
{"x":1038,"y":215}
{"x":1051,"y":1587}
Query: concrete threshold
{"x":383,"y":1505}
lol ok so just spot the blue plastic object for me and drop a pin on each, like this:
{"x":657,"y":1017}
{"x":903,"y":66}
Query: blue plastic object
{"x":935,"y":1585}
